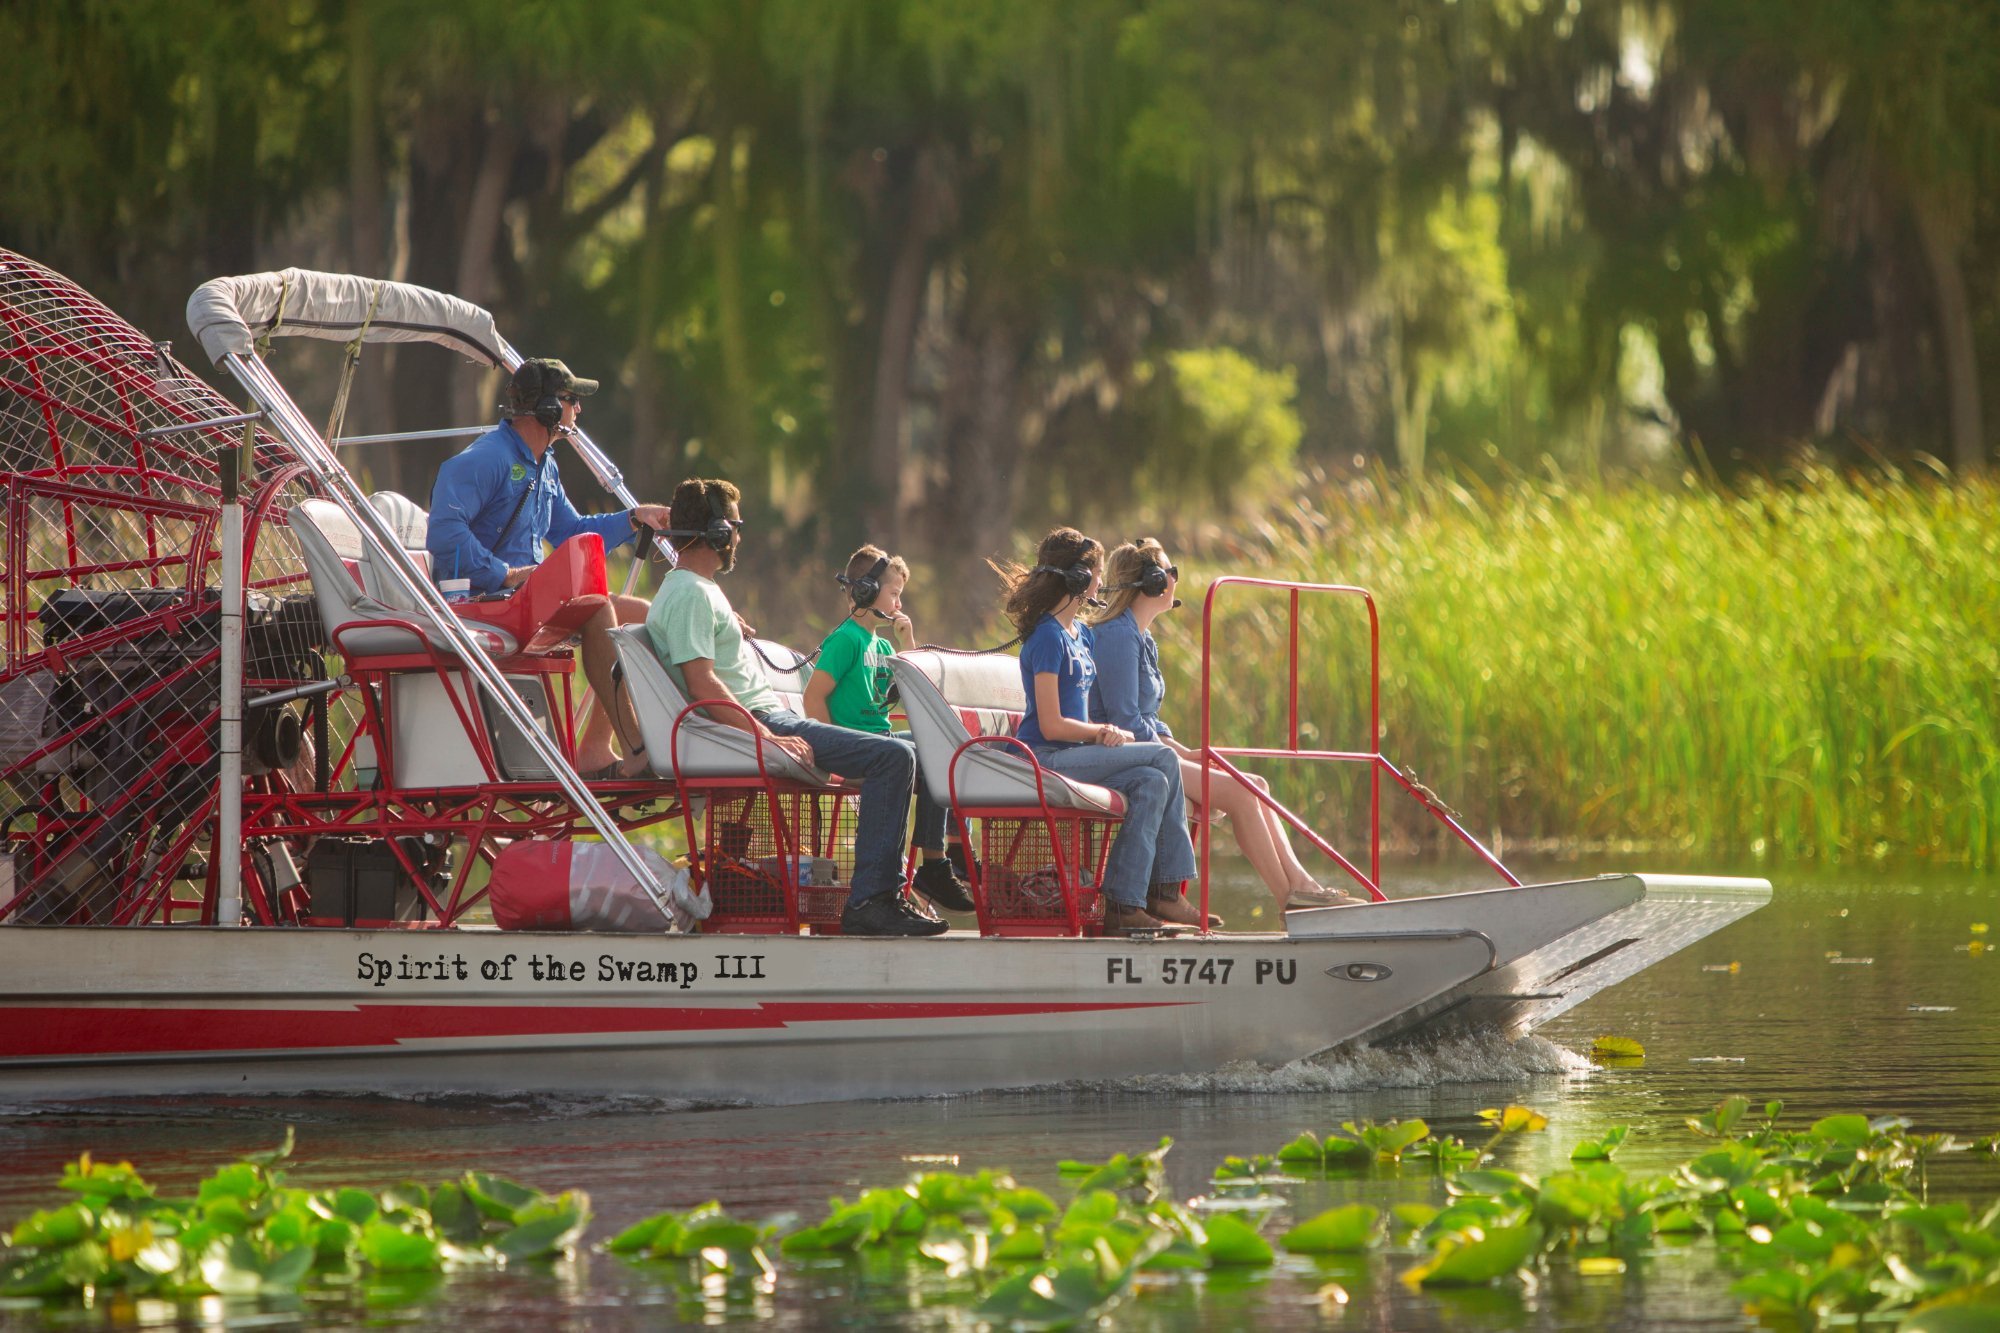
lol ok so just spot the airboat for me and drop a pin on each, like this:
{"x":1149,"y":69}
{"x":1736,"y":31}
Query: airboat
{"x":277,"y":818}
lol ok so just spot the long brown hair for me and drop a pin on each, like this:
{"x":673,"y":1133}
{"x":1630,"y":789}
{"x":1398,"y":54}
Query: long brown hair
{"x":1031,"y":594}
{"x":1126,"y":563}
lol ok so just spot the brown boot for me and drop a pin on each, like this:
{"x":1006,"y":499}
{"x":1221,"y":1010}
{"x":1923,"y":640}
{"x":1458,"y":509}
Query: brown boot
{"x":1169,"y":904}
{"x":1122,"y":920}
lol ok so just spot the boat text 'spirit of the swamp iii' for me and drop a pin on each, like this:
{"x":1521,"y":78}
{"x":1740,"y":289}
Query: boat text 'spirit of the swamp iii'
{"x":262,"y":785}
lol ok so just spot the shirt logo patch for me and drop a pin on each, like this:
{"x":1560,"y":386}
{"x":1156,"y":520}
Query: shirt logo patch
{"x":517,"y":473}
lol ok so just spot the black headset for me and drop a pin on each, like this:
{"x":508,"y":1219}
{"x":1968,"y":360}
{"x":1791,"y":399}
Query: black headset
{"x":1075,"y":577}
{"x":548,"y":405}
{"x":719,"y":533}
{"x":864,"y":589}
{"x":1152,"y":581}
{"x":548,"y":411}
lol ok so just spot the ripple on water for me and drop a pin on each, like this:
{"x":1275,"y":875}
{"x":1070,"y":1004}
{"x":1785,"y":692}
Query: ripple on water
{"x":1485,"y":1058}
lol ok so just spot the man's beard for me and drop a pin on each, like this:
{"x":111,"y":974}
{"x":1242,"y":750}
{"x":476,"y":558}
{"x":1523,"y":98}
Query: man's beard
{"x":728,"y":559}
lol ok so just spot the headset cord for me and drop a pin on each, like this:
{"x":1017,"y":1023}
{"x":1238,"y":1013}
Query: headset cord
{"x":799,"y":659}
{"x":969,"y":652}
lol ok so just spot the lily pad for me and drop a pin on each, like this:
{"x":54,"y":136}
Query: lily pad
{"x":1476,"y":1258}
{"x":1344,"y":1230}
{"x":1232,"y":1242}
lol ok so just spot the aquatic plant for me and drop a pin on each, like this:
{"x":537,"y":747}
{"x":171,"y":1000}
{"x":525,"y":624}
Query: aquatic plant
{"x":1798,"y":670}
{"x":1831,"y":1223}
{"x":247,"y":1233}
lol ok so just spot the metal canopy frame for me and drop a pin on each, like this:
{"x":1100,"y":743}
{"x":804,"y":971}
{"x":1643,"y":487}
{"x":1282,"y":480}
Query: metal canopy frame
{"x":284,"y":416}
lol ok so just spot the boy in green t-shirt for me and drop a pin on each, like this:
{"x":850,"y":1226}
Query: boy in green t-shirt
{"x":850,"y":688}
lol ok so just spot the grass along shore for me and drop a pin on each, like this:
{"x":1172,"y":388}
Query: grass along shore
{"x":1806,"y":671}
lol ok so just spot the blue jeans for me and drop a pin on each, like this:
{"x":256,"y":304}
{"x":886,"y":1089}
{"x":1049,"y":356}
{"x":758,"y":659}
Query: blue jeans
{"x":886,"y":768}
{"x":1152,"y":845}
{"x":928,"y":835}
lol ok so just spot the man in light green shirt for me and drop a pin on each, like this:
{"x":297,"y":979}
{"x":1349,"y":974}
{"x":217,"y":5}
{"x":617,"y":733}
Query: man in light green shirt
{"x":695,"y":632}
{"x":691,"y":614}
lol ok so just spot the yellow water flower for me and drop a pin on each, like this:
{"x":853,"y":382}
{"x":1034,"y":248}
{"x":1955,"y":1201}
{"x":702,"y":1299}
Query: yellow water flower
{"x":1514,"y":1119}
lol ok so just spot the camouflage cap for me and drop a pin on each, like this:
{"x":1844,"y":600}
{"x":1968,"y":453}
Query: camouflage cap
{"x":542,"y":376}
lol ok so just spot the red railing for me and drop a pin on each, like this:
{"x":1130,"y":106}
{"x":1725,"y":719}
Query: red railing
{"x":1218,"y":757}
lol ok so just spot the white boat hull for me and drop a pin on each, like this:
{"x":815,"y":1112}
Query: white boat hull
{"x":776,"y":1019}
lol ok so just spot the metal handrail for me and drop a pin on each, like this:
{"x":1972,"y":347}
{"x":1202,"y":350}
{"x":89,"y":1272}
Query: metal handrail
{"x":1217,"y":757}
{"x":1072,"y":907}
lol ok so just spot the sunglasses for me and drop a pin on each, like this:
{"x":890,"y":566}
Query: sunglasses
{"x":1173,"y":571}
{"x":571,"y":399}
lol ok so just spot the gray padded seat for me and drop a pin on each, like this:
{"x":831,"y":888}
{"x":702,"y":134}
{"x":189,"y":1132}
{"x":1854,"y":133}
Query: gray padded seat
{"x":939,"y":691}
{"x":336,"y":557}
{"x":411,"y":524}
{"x":709,"y":749}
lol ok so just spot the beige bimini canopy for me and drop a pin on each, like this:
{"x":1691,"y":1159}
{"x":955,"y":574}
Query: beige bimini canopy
{"x":231,"y":314}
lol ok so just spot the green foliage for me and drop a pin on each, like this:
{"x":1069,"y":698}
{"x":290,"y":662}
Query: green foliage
{"x":1141,"y":1172}
{"x":1232,"y":430}
{"x":1336,"y":1231}
{"x":1790,"y":671}
{"x":1821,"y":1226}
{"x":247,"y":1233}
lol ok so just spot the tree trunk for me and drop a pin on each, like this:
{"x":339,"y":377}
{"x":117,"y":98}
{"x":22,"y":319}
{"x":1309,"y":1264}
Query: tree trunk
{"x":652,"y":452}
{"x":733,"y":416}
{"x":368,"y":410}
{"x":478,"y":245}
{"x":973,"y":507}
{"x":1411,"y":391}
{"x":440,"y":182}
{"x":902,"y":307}
{"x":1942,"y":239}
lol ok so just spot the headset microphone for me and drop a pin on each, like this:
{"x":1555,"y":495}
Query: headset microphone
{"x":1095,"y":602}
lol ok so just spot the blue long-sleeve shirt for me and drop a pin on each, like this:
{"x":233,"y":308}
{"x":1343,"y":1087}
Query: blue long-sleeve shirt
{"x":479,"y":487}
{"x":1128,"y":688}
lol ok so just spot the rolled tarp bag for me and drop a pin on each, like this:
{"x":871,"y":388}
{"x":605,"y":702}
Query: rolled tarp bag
{"x":538,"y":884}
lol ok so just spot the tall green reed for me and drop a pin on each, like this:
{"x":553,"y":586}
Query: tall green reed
{"x":1798,"y":670}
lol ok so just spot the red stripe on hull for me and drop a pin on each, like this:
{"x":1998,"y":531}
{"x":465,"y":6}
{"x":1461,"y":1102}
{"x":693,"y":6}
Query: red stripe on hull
{"x":33,"y":1031}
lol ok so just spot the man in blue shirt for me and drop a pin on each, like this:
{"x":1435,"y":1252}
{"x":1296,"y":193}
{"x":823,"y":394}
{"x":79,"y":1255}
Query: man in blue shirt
{"x":499,"y":500}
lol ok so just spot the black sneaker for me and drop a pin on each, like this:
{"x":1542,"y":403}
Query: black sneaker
{"x":937,"y":881}
{"x":961,"y":860}
{"x":886,"y":914}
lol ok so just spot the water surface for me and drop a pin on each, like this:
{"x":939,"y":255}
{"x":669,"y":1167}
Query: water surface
{"x":1851,"y":991}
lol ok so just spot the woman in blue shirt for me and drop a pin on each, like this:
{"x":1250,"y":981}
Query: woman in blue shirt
{"x":1126,"y":691}
{"x":1151,"y":856}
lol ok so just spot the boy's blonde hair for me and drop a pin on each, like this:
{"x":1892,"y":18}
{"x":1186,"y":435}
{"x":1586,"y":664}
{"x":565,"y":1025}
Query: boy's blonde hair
{"x":1127,"y":562}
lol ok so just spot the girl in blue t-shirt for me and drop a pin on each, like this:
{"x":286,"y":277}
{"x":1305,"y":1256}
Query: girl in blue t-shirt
{"x":1151,"y":855}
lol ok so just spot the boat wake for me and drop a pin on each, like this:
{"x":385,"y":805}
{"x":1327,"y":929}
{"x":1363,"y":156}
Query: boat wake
{"x":1486,"y":1058}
